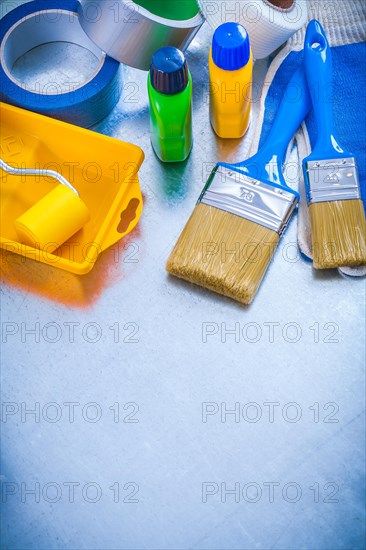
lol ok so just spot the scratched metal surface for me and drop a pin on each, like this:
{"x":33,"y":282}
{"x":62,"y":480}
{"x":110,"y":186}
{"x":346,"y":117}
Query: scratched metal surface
{"x":153,"y":471}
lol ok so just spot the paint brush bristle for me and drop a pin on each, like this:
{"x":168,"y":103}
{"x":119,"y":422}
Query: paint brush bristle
{"x":223,"y":252}
{"x":338,"y":231}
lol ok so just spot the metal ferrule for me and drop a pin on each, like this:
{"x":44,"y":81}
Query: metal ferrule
{"x":332,"y":180}
{"x":252,"y":199}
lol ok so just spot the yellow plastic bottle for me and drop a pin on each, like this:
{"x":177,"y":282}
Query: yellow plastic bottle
{"x":231,"y":71}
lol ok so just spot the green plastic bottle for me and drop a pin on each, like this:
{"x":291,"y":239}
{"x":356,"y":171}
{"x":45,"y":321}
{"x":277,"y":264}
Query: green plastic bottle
{"x":170,"y":95}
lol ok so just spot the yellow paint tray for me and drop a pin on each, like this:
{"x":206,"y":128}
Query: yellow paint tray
{"x":104,"y":170}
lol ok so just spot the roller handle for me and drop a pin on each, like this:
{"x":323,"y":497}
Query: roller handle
{"x":319,"y":74}
{"x":295,"y":105}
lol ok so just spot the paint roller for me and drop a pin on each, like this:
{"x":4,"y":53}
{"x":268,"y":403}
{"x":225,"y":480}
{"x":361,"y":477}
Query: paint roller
{"x":54,"y":218}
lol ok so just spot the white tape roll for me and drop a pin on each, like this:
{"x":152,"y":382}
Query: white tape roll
{"x":268,"y":26}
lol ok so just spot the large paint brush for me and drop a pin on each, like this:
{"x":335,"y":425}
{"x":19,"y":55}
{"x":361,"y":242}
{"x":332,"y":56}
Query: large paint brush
{"x":242,"y":212}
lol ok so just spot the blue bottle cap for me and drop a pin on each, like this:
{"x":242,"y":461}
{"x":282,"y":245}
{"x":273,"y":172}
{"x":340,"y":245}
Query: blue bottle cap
{"x":230,"y":46}
{"x":169,"y":71}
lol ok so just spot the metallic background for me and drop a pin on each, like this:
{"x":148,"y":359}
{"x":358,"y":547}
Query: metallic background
{"x":169,"y":371}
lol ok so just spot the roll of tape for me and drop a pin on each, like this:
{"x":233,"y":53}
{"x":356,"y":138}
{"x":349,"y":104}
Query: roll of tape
{"x":38,"y":22}
{"x":130,"y":33}
{"x":268,"y":25}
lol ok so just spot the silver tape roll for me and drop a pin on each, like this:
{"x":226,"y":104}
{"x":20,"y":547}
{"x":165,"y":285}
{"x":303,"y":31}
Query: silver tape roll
{"x":38,"y":22}
{"x":130,"y":33}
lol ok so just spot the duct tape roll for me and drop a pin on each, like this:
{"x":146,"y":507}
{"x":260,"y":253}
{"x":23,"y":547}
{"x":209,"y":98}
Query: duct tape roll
{"x":269,"y":24}
{"x":39,"y":22}
{"x":132,"y":32}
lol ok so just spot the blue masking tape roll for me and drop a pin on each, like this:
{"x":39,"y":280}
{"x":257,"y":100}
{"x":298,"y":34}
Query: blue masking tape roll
{"x":33,"y":24}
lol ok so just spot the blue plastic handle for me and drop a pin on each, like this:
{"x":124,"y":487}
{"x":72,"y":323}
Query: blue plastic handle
{"x":319,"y":74}
{"x":266,"y":165}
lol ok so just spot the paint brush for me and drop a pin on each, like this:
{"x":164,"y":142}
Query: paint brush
{"x":229,"y":240}
{"x":337,"y":217}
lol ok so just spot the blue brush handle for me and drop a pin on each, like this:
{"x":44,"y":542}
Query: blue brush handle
{"x":319,"y":74}
{"x":266,"y":165}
